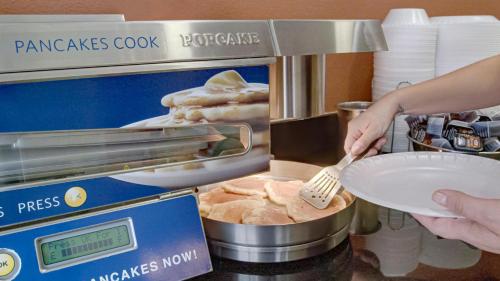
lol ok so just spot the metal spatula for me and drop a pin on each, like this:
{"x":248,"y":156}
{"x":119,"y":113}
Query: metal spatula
{"x":320,"y":190}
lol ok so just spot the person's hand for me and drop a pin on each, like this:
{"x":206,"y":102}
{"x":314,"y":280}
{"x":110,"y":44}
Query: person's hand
{"x":369,"y":127}
{"x":480,"y":226}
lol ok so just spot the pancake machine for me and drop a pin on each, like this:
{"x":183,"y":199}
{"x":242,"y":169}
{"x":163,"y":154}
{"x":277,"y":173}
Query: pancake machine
{"x":105,"y":128}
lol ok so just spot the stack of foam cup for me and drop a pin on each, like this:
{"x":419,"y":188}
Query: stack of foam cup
{"x":411,"y":39}
{"x":463,"y":40}
{"x":397,"y":244}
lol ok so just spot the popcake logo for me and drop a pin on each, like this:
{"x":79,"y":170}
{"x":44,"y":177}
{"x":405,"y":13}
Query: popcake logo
{"x":220,"y":39}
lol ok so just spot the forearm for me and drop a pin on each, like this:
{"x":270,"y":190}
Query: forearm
{"x":473,"y":87}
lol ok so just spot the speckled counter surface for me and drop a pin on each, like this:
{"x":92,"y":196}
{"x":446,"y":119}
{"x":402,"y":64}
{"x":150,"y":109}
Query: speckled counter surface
{"x":349,"y":261}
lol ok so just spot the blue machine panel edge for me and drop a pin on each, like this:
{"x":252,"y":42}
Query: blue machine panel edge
{"x":171,"y":245}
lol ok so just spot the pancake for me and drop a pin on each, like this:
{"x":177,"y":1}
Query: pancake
{"x":229,"y":202}
{"x":232,"y":211}
{"x":216,"y":196}
{"x":202,"y":98}
{"x":348,"y":197}
{"x":232,"y":112}
{"x":270,"y":214}
{"x":204,"y":209}
{"x":246,"y":186}
{"x":226,"y":80}
{"x":178,"y":113}
{"x":224,"y":87}
{"x":170,"y":120}
{"x":283,"y":192}
{"x":301,"y":211}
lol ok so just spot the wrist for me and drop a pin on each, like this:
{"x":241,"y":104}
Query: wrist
{"x":393,"y":103}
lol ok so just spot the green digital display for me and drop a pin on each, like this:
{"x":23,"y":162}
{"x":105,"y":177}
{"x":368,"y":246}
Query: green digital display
{"x":84,"y":244}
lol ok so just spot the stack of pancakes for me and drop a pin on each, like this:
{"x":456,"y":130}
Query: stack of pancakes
{"x":225,"y":97}
{"x":260,"y":201}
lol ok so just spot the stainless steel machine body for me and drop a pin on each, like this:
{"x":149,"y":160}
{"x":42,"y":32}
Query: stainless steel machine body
{"x":159,"y":50}
{"x":303,"y":45}
{"x":63,"y":80}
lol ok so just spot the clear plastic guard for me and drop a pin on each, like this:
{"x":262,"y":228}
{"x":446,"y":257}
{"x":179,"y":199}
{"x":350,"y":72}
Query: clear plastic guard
{"x":41,"y":158}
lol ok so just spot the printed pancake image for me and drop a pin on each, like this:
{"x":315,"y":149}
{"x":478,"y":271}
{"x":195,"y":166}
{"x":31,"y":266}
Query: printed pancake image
{"x":225,"y":97}
{"x":263,"y":201}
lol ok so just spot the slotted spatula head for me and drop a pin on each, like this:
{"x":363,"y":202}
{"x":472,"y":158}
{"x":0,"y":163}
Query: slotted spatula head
{"x":320,"y":190}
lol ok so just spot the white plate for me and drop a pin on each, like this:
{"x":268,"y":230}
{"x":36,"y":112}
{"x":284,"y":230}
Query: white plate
{"x":406,"y":181}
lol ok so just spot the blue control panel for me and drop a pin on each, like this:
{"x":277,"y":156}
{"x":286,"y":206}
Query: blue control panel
{"x":93,"y":103}
{"x":160,"y":239}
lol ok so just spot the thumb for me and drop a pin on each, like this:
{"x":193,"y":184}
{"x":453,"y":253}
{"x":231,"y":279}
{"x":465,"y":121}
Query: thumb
{"x":476,"y":209}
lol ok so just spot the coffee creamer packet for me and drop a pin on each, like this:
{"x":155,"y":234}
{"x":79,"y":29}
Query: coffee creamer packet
{"x":492,"y":144}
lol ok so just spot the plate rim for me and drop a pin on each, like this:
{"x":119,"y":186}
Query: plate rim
{"x":421,"y":211}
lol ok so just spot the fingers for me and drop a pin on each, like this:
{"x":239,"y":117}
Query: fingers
{"x":362,"y":143}
{"x":461,"y":229}
{"x":375,"y":149}
{"x":371,"y":152}
{"x":436,"y":226}
{"x":353,"y":133}
{"x":480,"y":227}
{"x":380,"y":143}
{"x":483,"y":211}
{"x":349,"y":140}
{"x":362,"y":132}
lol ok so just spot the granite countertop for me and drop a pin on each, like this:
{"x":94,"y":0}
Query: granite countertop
{"x":349,"y":261}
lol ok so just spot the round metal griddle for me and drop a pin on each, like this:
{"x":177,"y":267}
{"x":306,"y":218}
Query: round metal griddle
{"x":280,"y":243}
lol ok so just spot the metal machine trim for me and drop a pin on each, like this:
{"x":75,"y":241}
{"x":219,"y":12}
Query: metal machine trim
{"x":77,"y":73}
